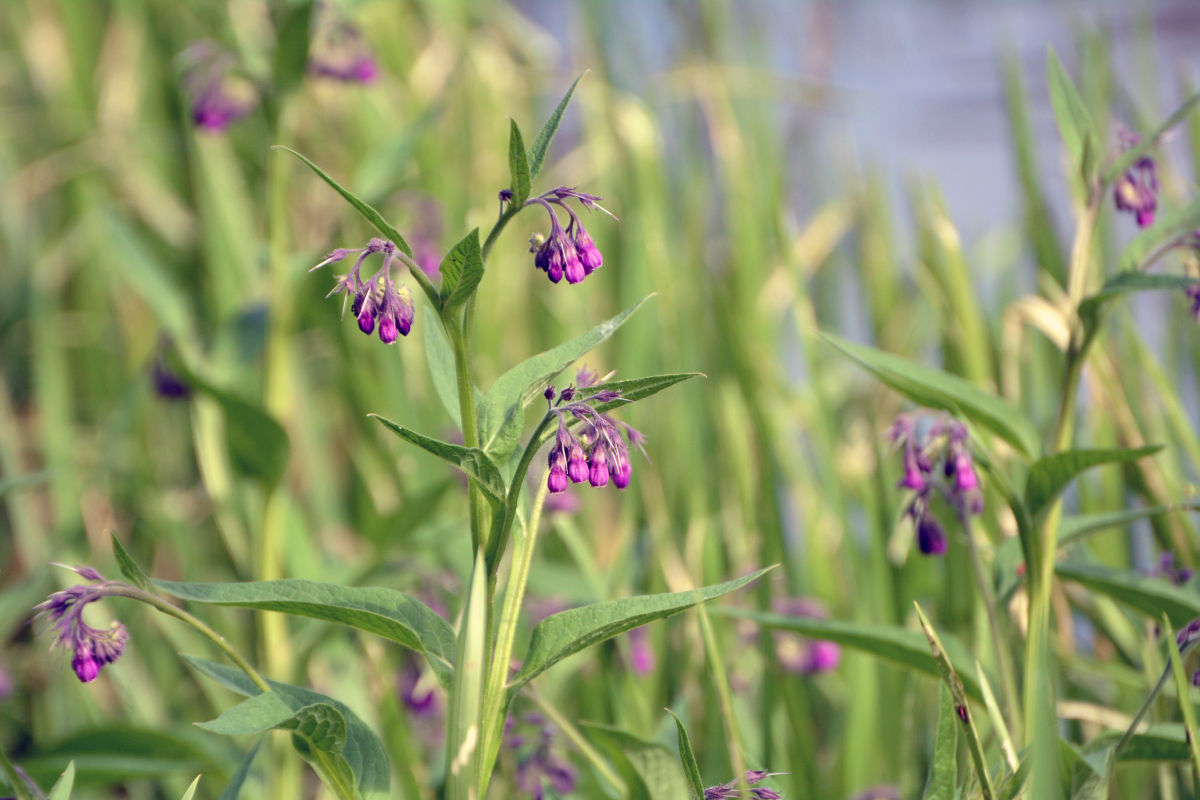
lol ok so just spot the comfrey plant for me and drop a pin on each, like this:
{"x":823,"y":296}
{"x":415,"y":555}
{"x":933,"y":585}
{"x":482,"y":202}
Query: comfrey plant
{"x":472,"y":660}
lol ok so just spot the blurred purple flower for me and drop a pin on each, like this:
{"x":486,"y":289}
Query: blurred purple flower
{"x":567,"y":502}
{"x":728,"y":791}
{"x":338,"y":51}
{"x":1166,"y":569}
{"x":167,"y":384}
{"x":539,"y":608}
{"x":800,"y":655}
{"x":91,"y":649}
{"x":882,"y":792}
{"x":6,"y":683}
{"x":1136,"y":190}
{"x":218,"y":98}
{"x":641,"y":655}
{"x":419,"y":690}
{"x":539,"y":761}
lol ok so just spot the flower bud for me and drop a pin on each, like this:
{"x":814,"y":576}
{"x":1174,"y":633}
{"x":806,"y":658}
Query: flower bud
{"x":589,"y":254}
{"x":931,"y":537}
{"x":598,"y":474}
{"x":557,"y":480}
{"x":577,"y":466}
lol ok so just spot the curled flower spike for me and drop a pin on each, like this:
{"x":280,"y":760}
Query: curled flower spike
{"x":218,"y":98}
{"x":338,"y":52}
{"x":377,"y":301}
{"x":726,"y":791}
{"x":567,"y":252}
{"x":1136,"y":190}
{"x":91,"y":649}
{"x":601,"y":452}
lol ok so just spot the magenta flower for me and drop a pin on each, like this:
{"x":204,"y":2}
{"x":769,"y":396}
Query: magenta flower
{"x":539,"y":760}
{"x":800,"y":655}
{"x":1136,"y":190}
{"x":641,"y":655}
{"x":218,"y":98}
{"x":568,"y":252}
{"x":378,"y":300}
{"x":91,"y":649}
{"x":339,"y":52}
{"x":727,"y":791}
{"x":601,"y":452}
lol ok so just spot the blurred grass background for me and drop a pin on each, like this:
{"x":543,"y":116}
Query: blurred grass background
{"x":123,"y":227}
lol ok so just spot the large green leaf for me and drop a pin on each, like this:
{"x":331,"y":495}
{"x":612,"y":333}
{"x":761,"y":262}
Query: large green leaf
{"x":941,"y":390}
{"x":1127,"y":159}
{"x":318,"y":734}
{"x":1151,"y":596}
{"x":362,"y":750}
{"x":1074,"y":121}
{"x":944,"y":771}
{"x":501,"y":411}
{"x":649,"y":769}
{"x":541,"y":143}
{"x":568,"y":632}
{"x":904,"y":648}
{"x":461,"y":270}
{"x":687,"y":759}
{"x":1126,"y":283}
{"x":1049,"y":476}
{"x":471,"y":460}
{"x":383,"y":612}
{"x":234,"y":788}
{"x":518,"y":166}
{"x":119,"y":752}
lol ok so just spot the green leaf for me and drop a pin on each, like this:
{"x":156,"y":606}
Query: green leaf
{"x":1148,"y":245}
{"x":191,"y":792}
{"x":471,"y":460}
{"x":362,"y":752}
{"x":1125,"y":283}
{"x":383,"y":612}
{"x":649,"y":764}
{"x":318,"y":734}
{"x":1183,"y":687}
{"x":12,"y":778}
{"x":1049,"y":476}
{"x":234,"y":787}
{"x":568,"y":632}
{"x":906,"y":649}
{"x":291,"y":46}
{"x":440,"y":359}
{"x":518,"y":166}
{"x":1079,"y":526}
{"x":129,"y":568}
{"x":950,"y":679}
{"x":688,"y":759}
{"x":1152,"y":596}
{"x":1164,"y":741}
{"x":1127,"y":159}
{"x":501,"y":411}
{"x":537,"y":153}
{"x":1074,"y":121}
{"x":371,"y":215}
{"x":63,"y":787}
{"x":936,"y":389}
{"x":945,"y":751}
{"x":462,"y":270}
{"x":631,"y":391}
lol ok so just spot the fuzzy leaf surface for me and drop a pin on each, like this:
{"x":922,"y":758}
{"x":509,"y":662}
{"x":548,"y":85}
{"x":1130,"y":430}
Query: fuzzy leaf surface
{"x":129,"y":568}
{"x":1049,"y":476}
{"x":945,"y":751}
{"x":1074,"y":121}
{"x":461,"y":270}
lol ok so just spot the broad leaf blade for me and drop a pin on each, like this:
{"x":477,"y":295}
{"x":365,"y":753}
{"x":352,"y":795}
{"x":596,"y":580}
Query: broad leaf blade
{"x":518,"y":166}
{"x":541,"y":144}
{"x":688,"y":759}
{"x":655,"y":765}
{"x":383,"y":612}
{"x":568,"y":632}
{"x":501,"y":410}
{"x":1152,"y":596}
{"x":462,"y":270}
{"x":234,"y":788}
{"x":1074,"y":121}
{"x":941,"y":390}
{"x":1049,"y":476}
{"x":363,"y":752}
{"x":129,"y":568}
{"x":945,"y":751}
{"x":471,"y":460}
{"x":371,"y":215}
{"x":1164,"y":741}
{"x":440,"y":359}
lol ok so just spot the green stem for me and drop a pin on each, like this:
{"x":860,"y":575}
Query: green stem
{"x":725,"y":699}
{"x":464,"y":715}
{"x":499,"y":537}
{"x":597,"y":761}
{"x":494,"y":233}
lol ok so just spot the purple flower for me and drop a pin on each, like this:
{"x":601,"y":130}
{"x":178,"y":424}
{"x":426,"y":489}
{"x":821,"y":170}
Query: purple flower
{"x":419,"y":690}
{"x":539,"y":761}
{"x":338,"y":51}
{"x":1136,"y":190}
{"x":377,"y":300}
{"x":1166,"y":569}
{"x":881,"y":792}
{"x":218,"y":98}
{"x":931,"y":537}
{"x":641,"y":655}
{"x":1193,"y":295}
{"x":563,"y":503}
{"x":6,"y":683}
{"x":727,"y":791}
{"x":91,"y":649}
{"x":797,"y":654}
{"x":567,"y":252}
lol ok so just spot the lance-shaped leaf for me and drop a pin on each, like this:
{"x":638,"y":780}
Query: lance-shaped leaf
{"x":383,"y":612}
{"x":1074,"y":121}
{"x":1127,"y":159}
{"x":1164,"y":741}
{"x":951,"y":681}
{"x":945,"y":751}
{"x":1169,"y":226}
{"x":471,"y":460}
{"x":906,"y":649}
{"x":1152,"y":596}
{"x":461,"y":270}
{"x":688,"y":759}
{"x":518,"y":166}
{"x":941,"y":390}
{"x":63,"y":786}
{"x":1049,"y":476}
{"x":1127,"y":283}
{"x":129,"y":568}
{"x":630,"y":390}
{"x":191,"y":790}
{"x":1183,"y":687}
{"x":541,"y":143}
{"x":650,"y":770}
{"x":1077,"y":527}
{"x":318,"y":734}
{"x":568,"y":632}
{"x":234,"y":788}
{"x":501,"y":411}
{"x":362,"y":751}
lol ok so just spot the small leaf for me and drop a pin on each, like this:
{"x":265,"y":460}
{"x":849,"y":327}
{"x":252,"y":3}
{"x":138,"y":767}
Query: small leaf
{"x":537,"y":152}
{"x":1074,"y":121}
{"x":234,"y":787}
{"x":906,"y":649}
{"x":363,"y":752}
{"x":191,"y":792}
{"x":568,"y":632}
{"x":651,"y":764}
{"x":945,"y":751}
{"x":383,"y":612}
{"x":63,"y":787}
{"x":936,"y":389}
{"x":1127,"y":159}
{"x":291,"y":46}
{"x":440,"y":359}
{"x":470,"y":460}
{"x":1151,"y":596}
{"x":462,"y":270}
{"x":518,"y":166}
{"x":1049,"y":476}
{"x":1126,"y":283}
{"x":501,"y":411}
{"x":371,"y":215}
{"x":129,"y":568}
{"x":688,"y":759}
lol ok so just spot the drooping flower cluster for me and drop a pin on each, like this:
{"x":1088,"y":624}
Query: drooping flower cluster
{"x":600,"y":452}
{"x":936,"y":458}
{"x":726,"y":791}
{"x":378,"y":300}
{"x":1136,"y":190}
{"x":91,"y":649}
{"x":218,"y":97}
{"x":337,"y":50}
{"x":800,"y":655}
{"x":539,"y":762}
{"x":1166,"y":569}
{"x":568,"y":252}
